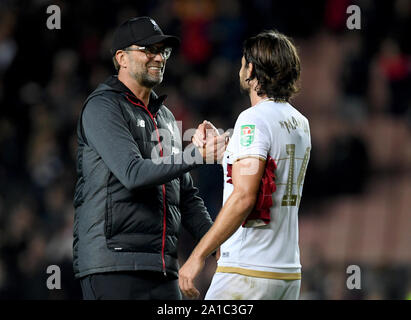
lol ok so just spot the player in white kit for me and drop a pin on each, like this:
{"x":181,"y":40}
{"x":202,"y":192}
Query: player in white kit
{"x":264,"y":169}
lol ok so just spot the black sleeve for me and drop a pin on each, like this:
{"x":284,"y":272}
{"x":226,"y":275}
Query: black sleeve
{"x":194,"y":215}
{"x":107,"y":132}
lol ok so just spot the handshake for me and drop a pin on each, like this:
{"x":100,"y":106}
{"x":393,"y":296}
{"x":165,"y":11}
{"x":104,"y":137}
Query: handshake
{"x":209,"y":142}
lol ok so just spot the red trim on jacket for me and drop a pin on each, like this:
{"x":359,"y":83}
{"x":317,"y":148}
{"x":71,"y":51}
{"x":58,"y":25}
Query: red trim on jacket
{"x":142,"y":105}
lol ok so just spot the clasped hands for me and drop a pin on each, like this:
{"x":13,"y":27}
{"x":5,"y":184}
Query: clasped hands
{"x":209,"y":142}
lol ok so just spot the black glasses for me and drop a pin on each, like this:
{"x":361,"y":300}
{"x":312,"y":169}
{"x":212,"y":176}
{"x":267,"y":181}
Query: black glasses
{"x":152,"y":51}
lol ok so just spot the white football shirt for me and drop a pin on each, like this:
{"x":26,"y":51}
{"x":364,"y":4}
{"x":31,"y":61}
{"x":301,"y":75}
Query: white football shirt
{"x":269,"y":251}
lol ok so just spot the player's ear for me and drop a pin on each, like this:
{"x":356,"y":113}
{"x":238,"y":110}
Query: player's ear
{"x":249,"y":70}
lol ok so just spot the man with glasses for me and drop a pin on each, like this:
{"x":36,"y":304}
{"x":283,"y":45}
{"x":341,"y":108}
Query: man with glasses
{"x":134,"y":190}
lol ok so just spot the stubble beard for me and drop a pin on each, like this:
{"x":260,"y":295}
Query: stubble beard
{"x":150,"y":81}
{"x":145,"y":79}
{"x":244,"y":88}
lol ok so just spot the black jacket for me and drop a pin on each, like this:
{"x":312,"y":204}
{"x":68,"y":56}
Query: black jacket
{"x":129,"y":206}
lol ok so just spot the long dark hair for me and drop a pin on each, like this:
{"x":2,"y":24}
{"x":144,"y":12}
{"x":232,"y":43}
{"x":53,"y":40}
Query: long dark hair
{"x":276,"y":64}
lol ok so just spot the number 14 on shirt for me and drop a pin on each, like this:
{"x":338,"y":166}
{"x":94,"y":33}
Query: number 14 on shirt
{"x":290,"y":199}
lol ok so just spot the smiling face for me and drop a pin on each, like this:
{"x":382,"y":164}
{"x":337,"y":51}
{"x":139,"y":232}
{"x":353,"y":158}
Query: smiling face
{"x":147,"y":71}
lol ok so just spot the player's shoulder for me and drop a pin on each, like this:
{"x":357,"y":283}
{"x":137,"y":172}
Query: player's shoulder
{"x":297,"y":113}
{"x":250,"y":114}
{"x":298,"y":119}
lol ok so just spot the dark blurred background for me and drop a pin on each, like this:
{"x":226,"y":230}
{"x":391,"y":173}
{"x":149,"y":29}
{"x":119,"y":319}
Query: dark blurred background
{"x":355,"y":91}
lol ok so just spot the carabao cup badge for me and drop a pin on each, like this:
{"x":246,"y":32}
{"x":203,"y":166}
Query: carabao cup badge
{"x":247,"y":134}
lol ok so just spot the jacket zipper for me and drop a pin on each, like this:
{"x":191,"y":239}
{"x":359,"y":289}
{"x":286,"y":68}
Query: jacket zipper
{"x":163,"y":239}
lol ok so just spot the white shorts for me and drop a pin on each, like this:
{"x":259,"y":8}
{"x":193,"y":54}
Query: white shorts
{"x":231,"y":286}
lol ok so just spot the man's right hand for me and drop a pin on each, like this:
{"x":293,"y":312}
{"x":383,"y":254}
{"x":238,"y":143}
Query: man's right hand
{"x":209,"y":142}
{"x":204,"y":130}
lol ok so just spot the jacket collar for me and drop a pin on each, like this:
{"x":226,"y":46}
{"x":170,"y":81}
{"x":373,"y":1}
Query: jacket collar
{"x":155,"y":101}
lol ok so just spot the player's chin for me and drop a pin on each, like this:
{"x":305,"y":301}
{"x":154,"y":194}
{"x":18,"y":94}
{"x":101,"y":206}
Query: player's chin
{"x":244,"y":90}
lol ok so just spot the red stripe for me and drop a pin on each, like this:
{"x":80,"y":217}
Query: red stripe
{"x":229,"y":173}
{"x":163,"y":186}
{"x":164,"y":228}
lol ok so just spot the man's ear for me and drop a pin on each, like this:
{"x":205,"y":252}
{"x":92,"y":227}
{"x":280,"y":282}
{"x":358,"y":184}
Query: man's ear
{"x":120,"y":57}
{"x":249,"y":70}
